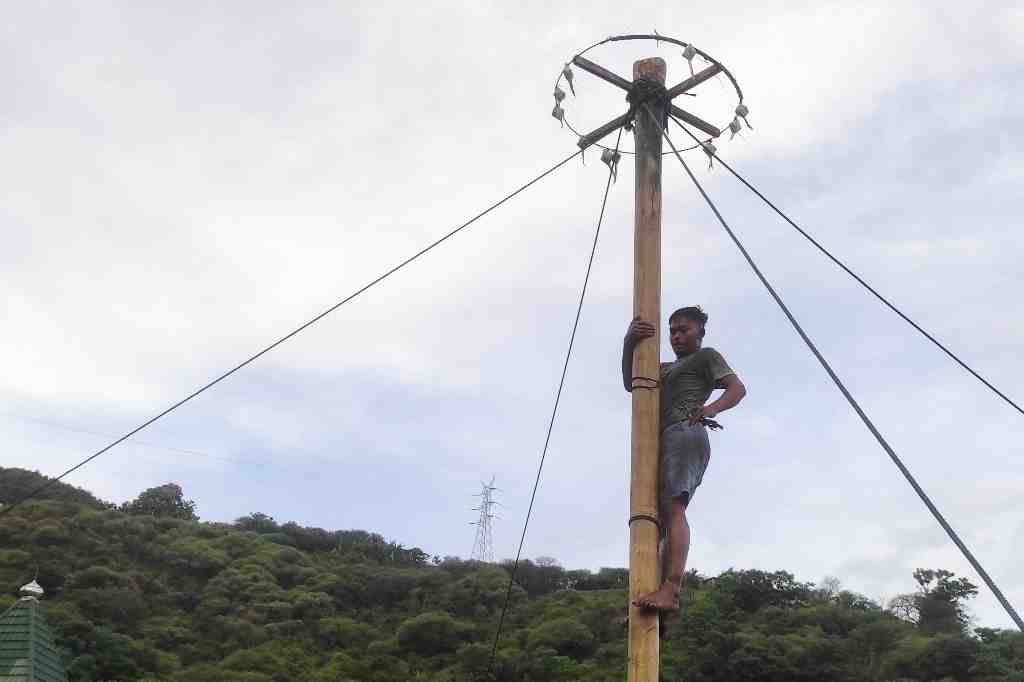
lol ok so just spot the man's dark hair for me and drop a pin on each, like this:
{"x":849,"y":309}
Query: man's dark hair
{"x":693,"y":313}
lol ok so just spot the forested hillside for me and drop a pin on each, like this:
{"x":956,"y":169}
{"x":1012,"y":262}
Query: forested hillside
{"x":147,"y":592}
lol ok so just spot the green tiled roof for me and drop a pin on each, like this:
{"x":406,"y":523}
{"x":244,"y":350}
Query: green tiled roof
{"x":27,"y":653}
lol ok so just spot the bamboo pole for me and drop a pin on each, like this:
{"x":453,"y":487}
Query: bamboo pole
{"x":643,"y":528}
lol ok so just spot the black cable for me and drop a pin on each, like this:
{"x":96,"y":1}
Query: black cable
{"x":860,"y":280}
{"x":554,"y":410}
{"x":853,"y":403}
{"x":277,"y":343}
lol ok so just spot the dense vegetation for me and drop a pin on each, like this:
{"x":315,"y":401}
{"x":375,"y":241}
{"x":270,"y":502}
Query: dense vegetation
{"x":146,"y":592}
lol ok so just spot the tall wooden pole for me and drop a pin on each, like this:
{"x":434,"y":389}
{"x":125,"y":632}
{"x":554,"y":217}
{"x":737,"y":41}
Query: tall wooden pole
{"x":643,"y":511}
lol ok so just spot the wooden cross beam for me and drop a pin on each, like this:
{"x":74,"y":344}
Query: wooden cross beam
{"x":602,"y":72}
{"x":693,"y":81}
{"x":618,"y":81}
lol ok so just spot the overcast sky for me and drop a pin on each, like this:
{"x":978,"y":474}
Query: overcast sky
{"x":184,"y":183}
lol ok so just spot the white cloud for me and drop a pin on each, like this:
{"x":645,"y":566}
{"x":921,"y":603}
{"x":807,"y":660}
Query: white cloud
{"x":183,"y":185}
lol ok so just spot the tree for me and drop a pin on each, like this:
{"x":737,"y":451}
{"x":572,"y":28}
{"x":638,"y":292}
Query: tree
{"x":430,"y":633}
{"x":481,"y":593}
{"x":856,"y":602}
{"x":869,"y":643}
{"x":565,"y":636}
{"x":542,"y":576}
{"x":939,"y":601}
{"x":752,"y":589}
{"x":166,"y":500}
{"x":1000,"y":657}
{"x":605,"y":579}
{"x":15,"y":484}
{"x":938,"y":659}
{"x":904,"y":607}
{"x":829,"y":587}
{"x":341,"y":632}
{"x":257,"y":522}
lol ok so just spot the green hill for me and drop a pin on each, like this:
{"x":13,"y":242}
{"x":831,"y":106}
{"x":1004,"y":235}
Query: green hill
{"x":137,"y":594}
{"x":17,"y":483}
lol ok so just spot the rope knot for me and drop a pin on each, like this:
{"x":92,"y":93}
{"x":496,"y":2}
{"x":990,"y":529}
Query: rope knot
{"x":644,"y":91}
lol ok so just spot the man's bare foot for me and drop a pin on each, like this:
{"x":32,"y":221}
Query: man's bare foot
{"x":665,"y":598}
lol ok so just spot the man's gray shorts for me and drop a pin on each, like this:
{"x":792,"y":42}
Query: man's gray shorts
{"x":685,"y":452}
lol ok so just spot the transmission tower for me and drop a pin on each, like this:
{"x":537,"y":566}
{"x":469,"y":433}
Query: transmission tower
{"x":483,"y":545}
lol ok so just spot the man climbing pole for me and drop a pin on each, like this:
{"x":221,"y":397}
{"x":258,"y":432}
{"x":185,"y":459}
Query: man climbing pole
{"x":683,"y":446}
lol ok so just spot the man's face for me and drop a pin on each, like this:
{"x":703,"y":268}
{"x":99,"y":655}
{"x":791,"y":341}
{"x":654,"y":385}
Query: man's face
{"x":684,"y":335}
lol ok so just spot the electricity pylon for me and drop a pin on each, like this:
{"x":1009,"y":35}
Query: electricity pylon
{"x":483,"y":545}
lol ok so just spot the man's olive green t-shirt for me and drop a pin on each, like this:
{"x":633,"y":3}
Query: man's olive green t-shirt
{"x":687,"y":383}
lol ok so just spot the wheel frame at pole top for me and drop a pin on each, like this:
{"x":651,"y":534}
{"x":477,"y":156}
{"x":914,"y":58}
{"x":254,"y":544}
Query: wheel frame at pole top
{"x":658,"y":38}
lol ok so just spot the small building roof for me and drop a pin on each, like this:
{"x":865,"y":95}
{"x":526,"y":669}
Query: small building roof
{"x":27,"y":652}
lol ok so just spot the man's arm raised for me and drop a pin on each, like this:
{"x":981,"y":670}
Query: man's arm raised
{"x":637,"y":331}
